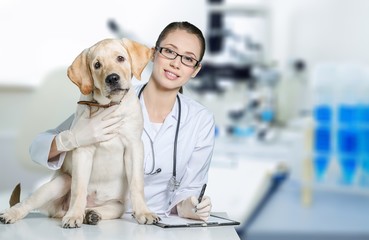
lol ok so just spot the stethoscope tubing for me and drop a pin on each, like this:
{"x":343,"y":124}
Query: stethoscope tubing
{"x":153,"y":171}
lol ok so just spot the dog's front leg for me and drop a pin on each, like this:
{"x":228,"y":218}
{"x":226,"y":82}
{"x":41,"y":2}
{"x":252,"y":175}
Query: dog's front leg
{"x":82,"y":161}
{"x":133,"y":160}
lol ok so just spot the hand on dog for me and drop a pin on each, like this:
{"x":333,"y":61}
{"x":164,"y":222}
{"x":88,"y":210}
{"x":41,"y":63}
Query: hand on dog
{"x":86,"y":131}
{"x":191,"y":208}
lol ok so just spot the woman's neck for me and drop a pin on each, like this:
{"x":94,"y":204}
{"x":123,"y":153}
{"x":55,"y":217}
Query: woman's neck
{"x":159,"y":103}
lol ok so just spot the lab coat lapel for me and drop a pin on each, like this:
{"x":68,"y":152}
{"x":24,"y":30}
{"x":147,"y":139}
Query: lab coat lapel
{"x":147,"y":124}
{"x":169,"y":121}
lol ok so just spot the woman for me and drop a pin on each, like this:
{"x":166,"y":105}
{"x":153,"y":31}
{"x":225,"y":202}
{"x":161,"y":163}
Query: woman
{"x":178,"y":132}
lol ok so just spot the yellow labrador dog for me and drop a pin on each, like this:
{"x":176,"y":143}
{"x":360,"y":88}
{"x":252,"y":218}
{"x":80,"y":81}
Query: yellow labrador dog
{"x":94,"y":181}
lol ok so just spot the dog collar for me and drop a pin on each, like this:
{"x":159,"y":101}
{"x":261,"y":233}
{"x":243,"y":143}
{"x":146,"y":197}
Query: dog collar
{"x":96,"y":104}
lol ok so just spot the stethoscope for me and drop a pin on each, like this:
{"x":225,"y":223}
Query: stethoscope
{"x":173,"y":183}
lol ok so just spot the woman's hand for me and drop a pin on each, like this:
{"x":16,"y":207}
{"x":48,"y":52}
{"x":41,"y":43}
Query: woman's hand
{"x":99,"y":128}
{"x":191,"y":208}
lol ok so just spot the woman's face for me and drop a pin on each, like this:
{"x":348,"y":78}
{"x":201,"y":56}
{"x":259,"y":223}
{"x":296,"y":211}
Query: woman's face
{"x":172,"y":74}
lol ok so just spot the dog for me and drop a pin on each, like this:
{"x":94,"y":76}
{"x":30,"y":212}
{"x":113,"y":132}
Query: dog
{"x":95,"y":181}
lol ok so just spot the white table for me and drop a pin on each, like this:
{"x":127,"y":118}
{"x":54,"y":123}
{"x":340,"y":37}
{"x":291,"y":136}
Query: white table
{"x":38,"y":227}
{"x":333,"y":215}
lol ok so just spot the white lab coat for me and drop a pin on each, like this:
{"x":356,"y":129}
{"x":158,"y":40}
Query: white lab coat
{"x":194,"y":152}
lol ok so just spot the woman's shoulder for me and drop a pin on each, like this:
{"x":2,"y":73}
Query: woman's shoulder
{"x":195,"y":108}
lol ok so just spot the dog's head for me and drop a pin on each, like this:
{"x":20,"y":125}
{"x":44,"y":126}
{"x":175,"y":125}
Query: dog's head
{"x":106,"y":68}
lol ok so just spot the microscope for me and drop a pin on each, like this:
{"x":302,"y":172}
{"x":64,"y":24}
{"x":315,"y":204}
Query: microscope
{"x":234,"y":71}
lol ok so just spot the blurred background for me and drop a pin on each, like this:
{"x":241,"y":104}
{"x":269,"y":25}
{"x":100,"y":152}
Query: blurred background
{"x":287,"y":81}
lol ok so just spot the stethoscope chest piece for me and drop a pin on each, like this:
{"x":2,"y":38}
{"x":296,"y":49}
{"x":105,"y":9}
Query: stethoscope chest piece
{"x":173,"y":184}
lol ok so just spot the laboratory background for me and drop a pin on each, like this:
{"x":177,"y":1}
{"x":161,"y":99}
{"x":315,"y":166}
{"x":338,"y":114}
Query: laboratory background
{"x":287,"y":81}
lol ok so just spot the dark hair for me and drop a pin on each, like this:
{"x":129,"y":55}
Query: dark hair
{"x":190,"y":28}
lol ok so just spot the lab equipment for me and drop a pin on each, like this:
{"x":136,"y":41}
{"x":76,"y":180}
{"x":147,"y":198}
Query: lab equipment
{"x":323,"y":110}
{"x":347,"y":143}
{"x":341,"y":124}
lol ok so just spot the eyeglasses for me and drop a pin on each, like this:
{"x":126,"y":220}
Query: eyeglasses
{"x":170,"y":54}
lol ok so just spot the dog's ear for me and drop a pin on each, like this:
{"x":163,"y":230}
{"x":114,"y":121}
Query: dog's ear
{"x":79,"y":73}
{"x":140,"y":56}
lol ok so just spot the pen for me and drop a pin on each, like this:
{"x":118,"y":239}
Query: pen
{"x":202,"y":192}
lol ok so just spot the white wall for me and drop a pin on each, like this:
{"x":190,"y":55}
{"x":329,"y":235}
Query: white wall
{"x":319,"y":31}
{"x":39,"y":35}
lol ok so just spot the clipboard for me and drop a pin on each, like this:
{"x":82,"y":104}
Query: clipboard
{"x":174,"y":221}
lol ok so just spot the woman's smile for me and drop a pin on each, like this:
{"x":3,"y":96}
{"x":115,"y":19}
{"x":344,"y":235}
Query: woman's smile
{"x":170,"y":75}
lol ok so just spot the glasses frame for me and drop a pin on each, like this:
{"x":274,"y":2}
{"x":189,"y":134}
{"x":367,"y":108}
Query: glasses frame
{"x":160,"y":49}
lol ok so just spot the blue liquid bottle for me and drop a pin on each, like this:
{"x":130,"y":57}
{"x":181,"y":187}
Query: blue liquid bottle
{"x":348,"y":127}
{"x":322,"y":140}
{"x":348,"y":142}
{"x":363,"y":116}
{"x":323,"y":105}
{"x":363,"y":126}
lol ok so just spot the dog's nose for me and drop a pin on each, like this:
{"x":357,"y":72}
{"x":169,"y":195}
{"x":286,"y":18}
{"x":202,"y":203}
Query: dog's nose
{"x":112,"y":79}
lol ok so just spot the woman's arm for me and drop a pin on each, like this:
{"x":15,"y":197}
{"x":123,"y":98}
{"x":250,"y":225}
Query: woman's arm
{"x":53,"y":150}
{"x":185,"y":200}
{"x":43,"y":148}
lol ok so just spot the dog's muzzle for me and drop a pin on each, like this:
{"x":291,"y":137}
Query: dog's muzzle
{"x":113,"y":84}
{"x":112,"y":80}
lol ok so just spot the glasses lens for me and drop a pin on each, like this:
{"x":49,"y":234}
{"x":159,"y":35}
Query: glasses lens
{"x":189,"y":61}
{"x":170,"y":54}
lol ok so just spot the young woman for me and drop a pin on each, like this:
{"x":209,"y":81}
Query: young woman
{"x":178,"y":132}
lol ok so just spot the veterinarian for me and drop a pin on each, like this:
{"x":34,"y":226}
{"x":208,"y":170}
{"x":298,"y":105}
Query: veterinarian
{"x":178,"y":132}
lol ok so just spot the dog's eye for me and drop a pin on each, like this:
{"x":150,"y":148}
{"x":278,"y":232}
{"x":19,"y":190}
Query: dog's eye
{"x":97,"y":65}
{"x":121,"y":59}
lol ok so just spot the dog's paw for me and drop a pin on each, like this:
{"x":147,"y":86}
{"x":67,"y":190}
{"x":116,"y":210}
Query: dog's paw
{"x":72,"y":221}
{"x":92,"y":217}
{"x":146,"y":218}
{"x":11,"y":215}
{"x":4,"y":219}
